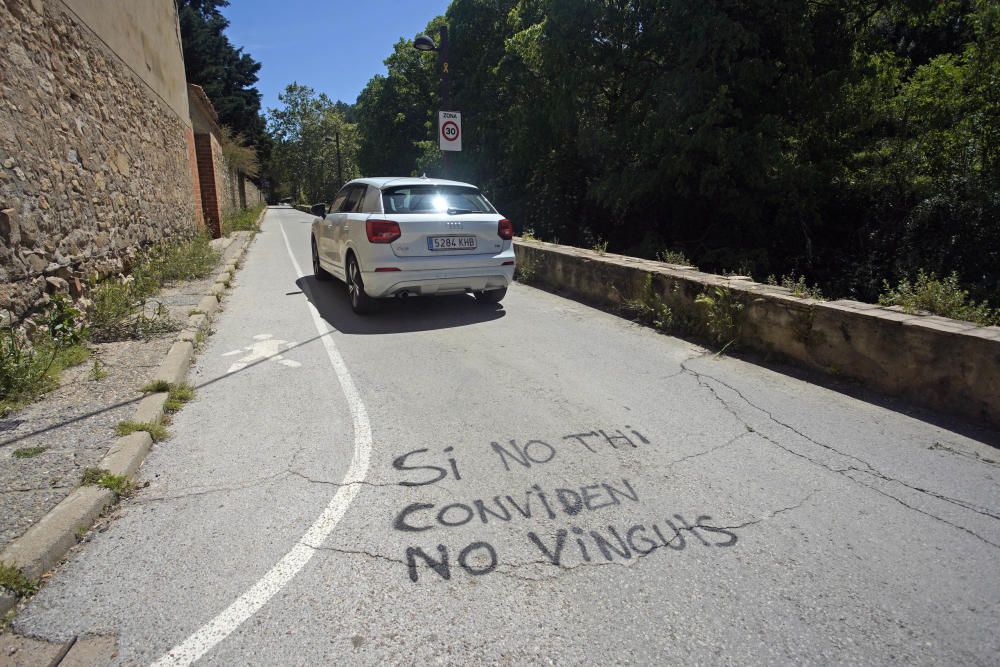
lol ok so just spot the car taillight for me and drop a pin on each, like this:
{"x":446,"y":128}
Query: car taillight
{"x":505,"y":230}
{"x":382,"y":231}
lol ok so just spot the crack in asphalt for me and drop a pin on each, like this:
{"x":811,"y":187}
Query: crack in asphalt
{"x":510,"y":569}
{"x":868,"y":469}
{"x":728,"y":443}
{"x":940,"y":446}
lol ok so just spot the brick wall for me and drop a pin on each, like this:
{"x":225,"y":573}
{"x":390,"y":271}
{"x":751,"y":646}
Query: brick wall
{"x":208,"y":181}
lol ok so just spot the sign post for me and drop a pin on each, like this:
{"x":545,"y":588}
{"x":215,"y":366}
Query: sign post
{"x":450,"y":130}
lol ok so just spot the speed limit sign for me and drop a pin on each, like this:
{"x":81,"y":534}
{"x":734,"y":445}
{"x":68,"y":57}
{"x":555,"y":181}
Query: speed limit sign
{"x":450,"y":130}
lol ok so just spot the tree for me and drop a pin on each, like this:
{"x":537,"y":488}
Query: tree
{"x":225,"y":72}
{"x":305,"y":131}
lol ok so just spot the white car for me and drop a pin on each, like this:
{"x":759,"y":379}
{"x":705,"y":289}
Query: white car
{"x":400,"y":237}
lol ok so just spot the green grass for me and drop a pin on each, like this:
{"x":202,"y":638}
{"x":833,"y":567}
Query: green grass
{"x":117,"y":484}
{"x":28,"y":452}
{"x":12,"y":579}
{"x":28,"y":370}
{"x":188,"y":260}
{"x":157,"y":432}
{"x":179,"y":395}
{"x":123,"y":308}
{"x":242,"y":221}
{"x":156,"y":386}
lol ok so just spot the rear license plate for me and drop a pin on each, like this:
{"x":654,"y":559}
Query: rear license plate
{"x":451,"y":243}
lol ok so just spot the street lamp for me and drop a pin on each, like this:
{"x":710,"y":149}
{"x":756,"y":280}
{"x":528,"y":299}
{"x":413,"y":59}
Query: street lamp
{"x":425,"y":43}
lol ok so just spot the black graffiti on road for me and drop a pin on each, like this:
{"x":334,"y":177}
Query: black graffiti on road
{"x":533,"y":452}
{"x":568,"y":544}
{"x":611,"y":543}
{"x":532,"y":503}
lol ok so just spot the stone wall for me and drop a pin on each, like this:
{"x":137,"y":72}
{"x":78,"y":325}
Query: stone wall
{"x":95,"y":165}
{"x":943,"y":364}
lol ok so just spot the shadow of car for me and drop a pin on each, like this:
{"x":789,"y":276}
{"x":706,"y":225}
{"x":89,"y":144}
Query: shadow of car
{"x":396,"y":315}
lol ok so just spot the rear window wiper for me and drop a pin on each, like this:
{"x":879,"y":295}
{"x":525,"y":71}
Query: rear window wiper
{"x":457,"y":211}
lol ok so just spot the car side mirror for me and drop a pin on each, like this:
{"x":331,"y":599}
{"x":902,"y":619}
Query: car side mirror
{"x":319,"y":210}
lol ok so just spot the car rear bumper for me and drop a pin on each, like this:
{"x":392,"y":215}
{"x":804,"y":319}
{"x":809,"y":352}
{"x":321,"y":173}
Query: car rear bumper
{"x":442,"y":281}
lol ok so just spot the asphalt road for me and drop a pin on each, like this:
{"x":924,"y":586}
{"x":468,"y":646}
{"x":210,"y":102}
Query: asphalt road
{"x":538,"y":482}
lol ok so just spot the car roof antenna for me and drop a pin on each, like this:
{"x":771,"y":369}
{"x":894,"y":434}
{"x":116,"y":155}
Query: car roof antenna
{"x":423,"y":175}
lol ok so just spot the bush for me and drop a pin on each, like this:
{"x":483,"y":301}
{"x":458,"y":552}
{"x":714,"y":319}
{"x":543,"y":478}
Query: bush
{"x":798,"y":287}
{"x":669,"y":256}
{"x":942,"y":297}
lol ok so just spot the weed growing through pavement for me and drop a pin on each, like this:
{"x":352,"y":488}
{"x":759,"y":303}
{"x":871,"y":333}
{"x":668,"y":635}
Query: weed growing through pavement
{"x":649,"y":308}
{"x":157,"y":432}
{"x":117,"y":484}
{"x":13,"y":580}
{"x":526,"y":270}
{"x":600,"y":247}
{"x":179,"y":395}
{"x":155,"y":387}
{"x":723,"y":315}
{"x":97,"y":371}
{"x":28,"y":452}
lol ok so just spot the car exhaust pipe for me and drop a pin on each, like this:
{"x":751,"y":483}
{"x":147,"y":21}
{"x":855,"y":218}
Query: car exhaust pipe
{"x":404,"y":295}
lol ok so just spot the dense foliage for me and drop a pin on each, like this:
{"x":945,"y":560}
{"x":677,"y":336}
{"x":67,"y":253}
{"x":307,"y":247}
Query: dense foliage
{"x":227,"y":75}
{"x":850,"y":141}
{"x":307,"y":130}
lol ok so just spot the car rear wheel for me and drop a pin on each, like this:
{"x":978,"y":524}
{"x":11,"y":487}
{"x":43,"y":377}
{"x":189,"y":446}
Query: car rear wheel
{"x":318,"y":271}
{"x":361,"y":303}
{"x":491,"y":295}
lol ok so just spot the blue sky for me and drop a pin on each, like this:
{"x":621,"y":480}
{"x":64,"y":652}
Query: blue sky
{"x":333,"y":46}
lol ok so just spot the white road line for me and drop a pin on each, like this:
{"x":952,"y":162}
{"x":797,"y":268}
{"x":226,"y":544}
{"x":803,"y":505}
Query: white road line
{"x":291,"y":563}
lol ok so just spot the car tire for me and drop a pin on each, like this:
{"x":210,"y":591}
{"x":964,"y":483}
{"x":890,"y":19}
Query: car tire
{"x":491,"y":295}
{"x":361,"y":303}
{"x":318,"y":271}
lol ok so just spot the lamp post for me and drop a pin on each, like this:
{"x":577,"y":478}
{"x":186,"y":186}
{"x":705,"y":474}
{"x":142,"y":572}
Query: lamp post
{"x":340,"y":170}
{"x":425,"y":43}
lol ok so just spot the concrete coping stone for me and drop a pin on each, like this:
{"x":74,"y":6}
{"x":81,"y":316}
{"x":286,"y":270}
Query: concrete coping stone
{"x":175,"y":367}
{"x":197,"y":321}
{"x":127,"y":453}
{"x":218,"y":289}
{"x":41,"y":547}
{"x":150,"y":408}
{"x":209,"y":304}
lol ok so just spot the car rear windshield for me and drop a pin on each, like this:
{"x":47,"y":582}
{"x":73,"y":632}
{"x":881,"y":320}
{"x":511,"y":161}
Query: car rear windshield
{"x":434,"y":199}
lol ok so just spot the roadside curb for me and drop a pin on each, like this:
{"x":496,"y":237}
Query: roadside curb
{"x":45,"y":543}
